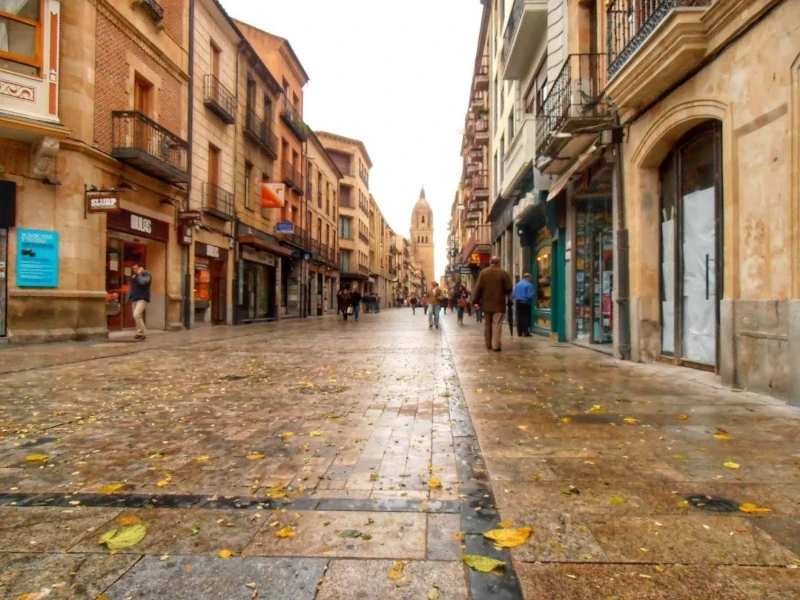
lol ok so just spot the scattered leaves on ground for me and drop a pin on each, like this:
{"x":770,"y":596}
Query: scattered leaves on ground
{"x":111,"y":488}
{"x":225,"y":554}
{"x":683,"y":417}
{"x":458,"y":536}
{"x":721,"y":434}
{"x":117,"y":539}
{"x":679,"y":456}
{"x":255,"y":456}
{"x":506,"y":524}
{"x":484,"y":564}
{"x":315,"y":433}
{"x":508,"y":538}
{"x":126,"y":520}
{"x":617,"y":500}
{"x":286,"y":532}
{"x":731,"y":465}
{"x":683,"y":504}
{"x":566,"y":420}
{"x":435,"y":482}
{"x":433,"y":593}
{"x":523,"y":427}
{"x":630,"y":420}
{"x":286,"y":435}
{"x":748,"y":507}
{"x":597,"y":408}
{"x":350,"y":533}
{"x":373,"y":477}
{"x":34,"y":458}
{"x":163,"y":483}
{"x":202,"y":458}
{"x":396,"y":570}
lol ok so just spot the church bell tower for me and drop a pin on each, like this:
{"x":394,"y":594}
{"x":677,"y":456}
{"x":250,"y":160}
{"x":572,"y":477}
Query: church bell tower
{"x":422,"y":237}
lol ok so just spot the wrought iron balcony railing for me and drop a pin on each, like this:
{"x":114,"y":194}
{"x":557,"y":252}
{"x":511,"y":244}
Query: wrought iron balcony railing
{"x":480,"y":184}
{"x":575,"y":98}
{"x":141,"y":142}
{"x":258,"y":130}
{"x":219,"y":99}
{"x":218,"y":202}
{"x":482,"y":74}
{"x":292,"y":178}
{"x":363,"y":269}
{"x":631,"y":22}
{"x":291,"y":116}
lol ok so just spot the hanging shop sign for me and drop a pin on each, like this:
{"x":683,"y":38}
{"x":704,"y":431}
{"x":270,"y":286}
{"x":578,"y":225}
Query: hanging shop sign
{"x":273,"y":195}
{"x":102,"y":202}
{"x":37,"y":258}
{"x":209,"y":251}
{"x":185,"y":235}
{"x":139,"y":225}
{"x":284,"y":227}
{"x":253,"y":255}
{"x":190,"y":216}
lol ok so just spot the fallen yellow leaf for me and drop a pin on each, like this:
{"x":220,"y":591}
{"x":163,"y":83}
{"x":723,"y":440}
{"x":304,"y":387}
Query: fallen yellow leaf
{"x":630,"y":420}
{"x":523,"y":427}
{"x":509,"y":538}
{"x":36,"y":458}
{"x":721,"y":434}
{"x":225,"y":554}
{"x":117,"y":539}
{"x":286,"y":532}
{"x":163,"y":483}
{"x":566,"y":420}
{"x":126,"y":520}
{"x":617,"y":500}
{"x":286,"y":435}
{"x":683,"y":417}
{"x":435,"y":482}
{"x":679,"y":456}
{"x":732,"y":465}
{"x":315,"y":433}
{"x":111,"y":488}
{"x":202,"y":458}
{"x":748,"y":507}
{"x":27,"y":597}
{"x":595,"y":409}
{"x":396,"y":570}
{"x":506,"y":524}
{"x":255,"y":456}
{"x":484,"y":564}
{"x":683,"y":504}
{"x":660,"y":568}
{"x":571,"y":576}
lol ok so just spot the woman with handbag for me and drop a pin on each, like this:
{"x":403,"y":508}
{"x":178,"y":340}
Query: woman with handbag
{"x":461,"y":301}
{"x":343,"y":298}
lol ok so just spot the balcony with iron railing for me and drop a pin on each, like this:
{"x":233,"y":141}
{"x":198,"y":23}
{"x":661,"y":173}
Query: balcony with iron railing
{"x":363,"y":269}
{"x":291,"y":177}
{"x":573,"y":113}
{"x":152,"y":8}
{"x":480,"y":185}
{"x":260,"y":132}
{"x":219,"y":99}
{"x":639,"y":70}
{"x":300,"y":238}
{"x":526,"y":27}
{"x":480,"y":239}
{"x":363,"y":173}
{"x":479,"y":130}
{"x":218,"y":202}
{"x":139,"y":141}
{"x":291,"y":116}
{"x":481,"y":79}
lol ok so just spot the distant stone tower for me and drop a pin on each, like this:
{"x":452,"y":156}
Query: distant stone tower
{"x":422,"y":237}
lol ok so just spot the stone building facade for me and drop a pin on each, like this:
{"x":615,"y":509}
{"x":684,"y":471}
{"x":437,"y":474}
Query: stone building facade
{"x":422,"y":255}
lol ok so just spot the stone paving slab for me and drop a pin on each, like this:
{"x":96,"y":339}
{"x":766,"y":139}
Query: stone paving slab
{"x":363,"y":580}
{"x":49,"y":529}
{"x":211,"y":578}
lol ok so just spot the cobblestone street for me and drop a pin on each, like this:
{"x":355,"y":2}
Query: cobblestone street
{"x":303,"y":459}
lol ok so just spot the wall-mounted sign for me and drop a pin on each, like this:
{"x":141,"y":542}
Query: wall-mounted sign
{"x":102,"y":203}
{"x":264,"y":258}
{"x":185,"y":235}
{"x":37,"y":258}
{"x":273,"y":195}
{"x":210,"y":251}
{"x":139,"y":225}
{"x":284,"y":227}
{"x":475,"y":258}
{"x":190,"y":216}
{"x":465,"y":270}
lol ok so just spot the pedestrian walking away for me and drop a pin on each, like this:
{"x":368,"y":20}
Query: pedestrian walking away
{"x":139,"y":297}
{"x":343,"y":299}
{"x":523,"y":297}
{"x":460,"y":300}
{"x":413,"y":302}
{"x":355,"y":302}
{"x":494,"y":285}
{"x":434,"y":305}
{"x":425,"y":304}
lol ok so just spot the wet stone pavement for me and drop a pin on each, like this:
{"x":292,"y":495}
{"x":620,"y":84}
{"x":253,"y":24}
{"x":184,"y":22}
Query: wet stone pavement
{"x":321,"y":459}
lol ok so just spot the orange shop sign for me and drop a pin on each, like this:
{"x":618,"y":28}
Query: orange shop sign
{"x":273,"y":195}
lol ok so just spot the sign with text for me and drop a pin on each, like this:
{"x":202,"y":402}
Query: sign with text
{"x":102,"y":203}
{"x":139,"y":225}
{"x":273,"y":195}
{"x":284,"y":227}
{"x":37,"y":258}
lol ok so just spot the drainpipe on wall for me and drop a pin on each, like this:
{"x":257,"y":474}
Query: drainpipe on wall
{"x":623,"y":255}
{"x":186,"y":304}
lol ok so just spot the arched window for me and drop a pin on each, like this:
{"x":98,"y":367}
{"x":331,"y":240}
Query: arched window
{"x":423,"y":219}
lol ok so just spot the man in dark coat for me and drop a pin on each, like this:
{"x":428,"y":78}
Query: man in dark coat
{"x":494,"y":286}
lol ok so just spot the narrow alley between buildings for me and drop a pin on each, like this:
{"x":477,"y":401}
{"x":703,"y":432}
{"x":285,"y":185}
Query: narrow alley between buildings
{"x":352,"y":460}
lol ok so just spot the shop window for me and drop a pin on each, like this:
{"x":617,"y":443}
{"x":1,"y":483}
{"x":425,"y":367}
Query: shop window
{"x":21,"y":36}
{"x":594,"y":269}
{"x":202,"y":284}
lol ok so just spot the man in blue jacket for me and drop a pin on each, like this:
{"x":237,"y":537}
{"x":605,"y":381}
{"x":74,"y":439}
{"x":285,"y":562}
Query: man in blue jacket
{"x":523,"y":297}
{"x":139,"y":297}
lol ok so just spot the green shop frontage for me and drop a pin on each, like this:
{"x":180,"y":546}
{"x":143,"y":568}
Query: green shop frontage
{"x":541,"y":225}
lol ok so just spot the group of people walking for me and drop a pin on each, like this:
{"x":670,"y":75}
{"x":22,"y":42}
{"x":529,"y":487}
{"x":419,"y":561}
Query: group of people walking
{"x":493,"y":295}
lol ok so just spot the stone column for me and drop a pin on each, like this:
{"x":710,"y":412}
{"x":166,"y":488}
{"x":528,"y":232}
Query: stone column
{"x":77,"y":79}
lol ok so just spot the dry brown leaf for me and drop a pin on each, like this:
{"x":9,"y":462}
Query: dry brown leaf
{"x":506,"y":524}
{"x":721,"y":434}
{"x":683,"y":417}
{"x":396,"y":570}
{"x":434,"y":482}
{"x":286,"y":532}
{"x":630,"y":420}
{"x":126,"y":520}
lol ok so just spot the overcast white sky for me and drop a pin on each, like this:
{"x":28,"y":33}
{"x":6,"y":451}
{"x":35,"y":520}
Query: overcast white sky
{"x":395,"y":75}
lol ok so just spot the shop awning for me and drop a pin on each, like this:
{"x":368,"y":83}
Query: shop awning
{"x":579,"y":164}
{"x":256,"y":242}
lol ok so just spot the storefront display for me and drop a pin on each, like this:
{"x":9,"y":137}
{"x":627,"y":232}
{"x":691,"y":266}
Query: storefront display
{"x":542,"y":273}
{"x":258,"y":285}
{"x":210,"y":284}
{"x":134,"y":239}
{"x":594,"y":270}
